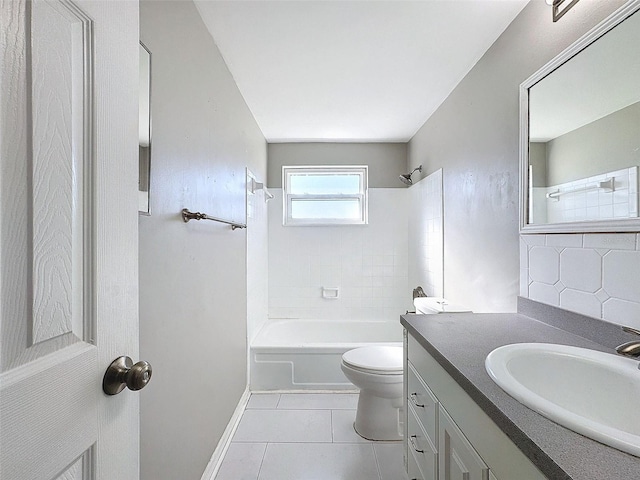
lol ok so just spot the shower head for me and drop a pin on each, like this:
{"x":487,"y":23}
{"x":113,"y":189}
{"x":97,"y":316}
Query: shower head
{"x":406,"y":177}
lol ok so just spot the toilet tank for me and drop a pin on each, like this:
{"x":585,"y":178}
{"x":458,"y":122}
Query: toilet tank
{"x":432,"y":305}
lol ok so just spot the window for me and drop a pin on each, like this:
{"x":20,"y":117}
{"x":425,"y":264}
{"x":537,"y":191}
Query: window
{"x":329,"y":195}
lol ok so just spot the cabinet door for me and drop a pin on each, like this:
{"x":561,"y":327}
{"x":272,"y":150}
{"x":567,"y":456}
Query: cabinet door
{"x":456,"y":457}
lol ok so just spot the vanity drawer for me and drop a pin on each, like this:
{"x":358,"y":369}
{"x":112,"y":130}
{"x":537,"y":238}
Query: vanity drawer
{"x":412,"y":467}
{"x":424,"y":403}
{"x":421,"y":447}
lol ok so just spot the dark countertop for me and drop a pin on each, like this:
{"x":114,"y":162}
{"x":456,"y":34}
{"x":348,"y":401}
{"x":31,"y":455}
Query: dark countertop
{"x":460,"y":342}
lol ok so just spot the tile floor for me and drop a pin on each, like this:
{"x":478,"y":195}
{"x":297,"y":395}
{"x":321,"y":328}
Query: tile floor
{"x":306,"y":436}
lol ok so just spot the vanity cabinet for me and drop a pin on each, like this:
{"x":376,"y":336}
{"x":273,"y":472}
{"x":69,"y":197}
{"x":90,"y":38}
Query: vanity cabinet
{"x":447,"y":435}
{"x":457,"y":459}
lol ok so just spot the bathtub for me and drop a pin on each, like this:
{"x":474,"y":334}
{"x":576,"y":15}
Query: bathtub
{"x":306,"y":354}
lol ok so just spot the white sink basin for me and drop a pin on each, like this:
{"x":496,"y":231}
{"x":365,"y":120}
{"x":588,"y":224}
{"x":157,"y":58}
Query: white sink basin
{"x":593,"y":393}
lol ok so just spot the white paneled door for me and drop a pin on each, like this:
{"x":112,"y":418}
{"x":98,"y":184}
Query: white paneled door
{"x":68,"y":237}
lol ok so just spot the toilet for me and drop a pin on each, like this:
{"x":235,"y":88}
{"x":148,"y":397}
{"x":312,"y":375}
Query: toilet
{"x":377,"y":371}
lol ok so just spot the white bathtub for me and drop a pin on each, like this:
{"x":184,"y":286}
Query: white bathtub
{"x":306,"y":354}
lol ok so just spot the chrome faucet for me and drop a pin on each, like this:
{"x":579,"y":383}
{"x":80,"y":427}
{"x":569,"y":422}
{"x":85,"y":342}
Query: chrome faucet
{"x":630,"y":349}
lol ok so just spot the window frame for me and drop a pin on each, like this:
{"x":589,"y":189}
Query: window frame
{"x":287,"y":198}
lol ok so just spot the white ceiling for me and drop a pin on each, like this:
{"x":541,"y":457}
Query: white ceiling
{"x":351,"y":70}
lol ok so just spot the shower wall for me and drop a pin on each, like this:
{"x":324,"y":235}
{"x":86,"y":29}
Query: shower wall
{"x":367,"y":263}
{"x":426,"y":235}
{"x":257,"y":258}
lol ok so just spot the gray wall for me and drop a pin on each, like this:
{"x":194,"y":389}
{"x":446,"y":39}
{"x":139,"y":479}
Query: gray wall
{"x":609,"y":144}
{"x":538,"y":160}
{"x":192,"y":276}
{"x":386,"y":161}
{"x":473,"y":136}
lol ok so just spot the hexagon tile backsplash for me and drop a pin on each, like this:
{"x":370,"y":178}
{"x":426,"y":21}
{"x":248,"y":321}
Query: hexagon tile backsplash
{"x":595,"y":274}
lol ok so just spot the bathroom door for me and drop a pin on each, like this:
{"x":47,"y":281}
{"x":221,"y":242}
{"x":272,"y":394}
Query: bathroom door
{"x":68,"y":237}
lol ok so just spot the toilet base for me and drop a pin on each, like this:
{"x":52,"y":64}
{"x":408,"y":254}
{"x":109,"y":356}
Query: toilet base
{"x":378,"y":418}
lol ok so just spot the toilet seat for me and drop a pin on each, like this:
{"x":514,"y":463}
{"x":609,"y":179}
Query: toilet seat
{"x":378,"y":360}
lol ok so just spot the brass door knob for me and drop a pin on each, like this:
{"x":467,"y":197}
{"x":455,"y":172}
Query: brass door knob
{"x":123,"y":373}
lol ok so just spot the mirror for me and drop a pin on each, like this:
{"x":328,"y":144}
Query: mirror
{"x":580,"y":134}
{"x":144,"y":131}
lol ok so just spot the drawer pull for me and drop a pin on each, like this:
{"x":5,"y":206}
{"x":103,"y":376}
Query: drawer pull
{"x":413,"y":443}
{"x":414,"y":399}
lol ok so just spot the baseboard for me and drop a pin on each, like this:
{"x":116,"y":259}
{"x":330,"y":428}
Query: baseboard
{"x":223,"y":445}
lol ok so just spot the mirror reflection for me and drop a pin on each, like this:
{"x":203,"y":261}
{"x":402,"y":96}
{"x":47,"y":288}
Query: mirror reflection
{"x":584,"y":133}
{"x":144,"y":150}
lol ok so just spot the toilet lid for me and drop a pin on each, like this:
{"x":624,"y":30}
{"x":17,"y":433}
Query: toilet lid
{"x":382,"y":359}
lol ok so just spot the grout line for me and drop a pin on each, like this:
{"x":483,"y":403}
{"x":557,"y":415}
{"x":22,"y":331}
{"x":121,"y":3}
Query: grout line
{"x":264,"y":454}
{"x":375,"y":456}
{"x":331,"y":426}
{"x":332,"y":441}
{"x":371,"y":443}
{"x":300,"y":442}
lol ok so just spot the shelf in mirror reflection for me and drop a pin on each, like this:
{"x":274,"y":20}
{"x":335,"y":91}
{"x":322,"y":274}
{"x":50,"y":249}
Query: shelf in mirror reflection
{"x":612,"y":195}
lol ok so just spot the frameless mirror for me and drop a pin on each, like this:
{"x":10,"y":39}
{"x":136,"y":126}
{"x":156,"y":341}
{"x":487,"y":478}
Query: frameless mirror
{"x":144,"y":130}
{"x":580,"y":134}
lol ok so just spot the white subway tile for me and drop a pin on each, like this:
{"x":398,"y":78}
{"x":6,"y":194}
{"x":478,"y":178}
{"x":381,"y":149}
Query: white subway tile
{"x":544,"y":293}
{"x":305,"y":259}
{"x":544,"y":265}
{"x":612,"y":241}
{"x":564,"y":240}
{"x":580,"y":302}
{"x":620,"y":274}
{"x":581,"y":269}
{"x":622,"y":312}
{"x":534,"y":240}
{"x":592,"y":199}
{"x":621,"y":195}
{"x":605,"y":211}
{"x":621,"y":210}
{"x":593,"y":213}
{"x":569,"y":215}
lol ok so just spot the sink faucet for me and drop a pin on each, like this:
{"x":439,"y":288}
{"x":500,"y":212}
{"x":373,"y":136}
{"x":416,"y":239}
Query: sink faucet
{"x":630,"y":349}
